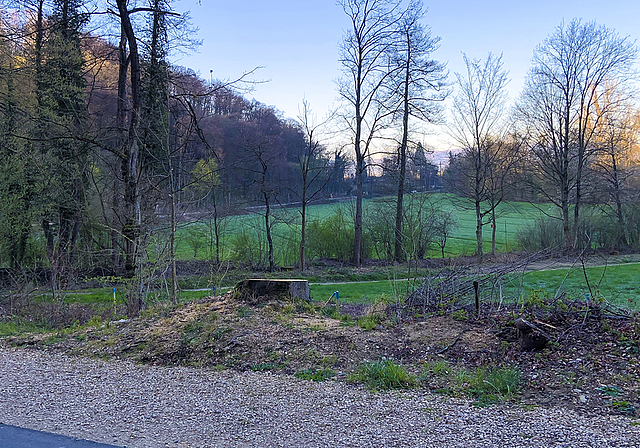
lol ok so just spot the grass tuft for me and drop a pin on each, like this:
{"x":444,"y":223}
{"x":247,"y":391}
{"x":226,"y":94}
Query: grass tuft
{"x":490,"y":386}
{"x":382,"y":375}
{"x":368,"y":323}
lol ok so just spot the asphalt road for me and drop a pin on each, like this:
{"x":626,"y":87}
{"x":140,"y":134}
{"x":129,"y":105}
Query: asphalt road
{"x":15,"y":437}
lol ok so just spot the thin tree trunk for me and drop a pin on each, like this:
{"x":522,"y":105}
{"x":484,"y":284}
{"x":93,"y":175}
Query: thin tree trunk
{"x":216,"y":230}
{"x":623,"y":242}
{"x":303,"y":232}
{"x":357,"y":239}
{"x":402,"y":160}
{"x":268,"y":229}
{"x":493,"y":231}
{"x":479,"y":252}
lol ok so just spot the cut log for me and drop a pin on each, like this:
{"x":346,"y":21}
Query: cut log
{"x":259,"y":290}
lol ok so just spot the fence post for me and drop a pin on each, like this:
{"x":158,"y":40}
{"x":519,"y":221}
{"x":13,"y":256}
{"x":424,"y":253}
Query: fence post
{"x":476,"y":287}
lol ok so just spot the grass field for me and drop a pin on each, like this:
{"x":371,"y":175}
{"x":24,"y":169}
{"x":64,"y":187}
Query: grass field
{"x":618,"y":284}
{"x":194,"y":239}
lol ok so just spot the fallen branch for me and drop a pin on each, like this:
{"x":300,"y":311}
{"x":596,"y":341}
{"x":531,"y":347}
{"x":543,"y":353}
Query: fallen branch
{"x":453,"y":343}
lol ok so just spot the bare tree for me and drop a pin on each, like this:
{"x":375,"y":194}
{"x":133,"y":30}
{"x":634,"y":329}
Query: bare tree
{"x":478,"y":110}
{"x":314,"y":169}
{"x":571,"y":71}
{"x":364,"y":55}
{"x":417,"y":86}
{"x":617,"y":135}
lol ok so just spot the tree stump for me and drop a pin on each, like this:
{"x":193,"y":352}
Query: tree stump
{"x":530,"y":336}
{"x":258,"y":290}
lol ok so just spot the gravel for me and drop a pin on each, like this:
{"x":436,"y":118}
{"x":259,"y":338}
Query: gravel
{"x":147,"y":406}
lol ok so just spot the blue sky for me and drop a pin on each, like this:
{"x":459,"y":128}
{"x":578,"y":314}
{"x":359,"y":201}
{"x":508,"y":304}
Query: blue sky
{"x":297,"y":40}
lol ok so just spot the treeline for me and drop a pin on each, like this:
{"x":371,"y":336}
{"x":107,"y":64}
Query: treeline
{"x":570,"y":140}
{"x":106,"y":146}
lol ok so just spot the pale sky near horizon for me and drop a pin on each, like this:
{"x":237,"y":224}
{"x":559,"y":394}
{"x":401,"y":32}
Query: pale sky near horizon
{"x":297,"y":41}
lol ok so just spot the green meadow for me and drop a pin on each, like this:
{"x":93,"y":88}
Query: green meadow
{"x":194,"y":238}
{"x":617,"y":284}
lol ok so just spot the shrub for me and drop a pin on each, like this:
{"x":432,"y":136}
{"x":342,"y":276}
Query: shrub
{"x":249,"y":248}
{"x":333,"y":238}
{"x":382,"y":375}
{"x":542,"y":234}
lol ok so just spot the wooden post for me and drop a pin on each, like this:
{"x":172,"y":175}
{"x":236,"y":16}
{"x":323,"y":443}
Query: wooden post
{"x":476,"y":287}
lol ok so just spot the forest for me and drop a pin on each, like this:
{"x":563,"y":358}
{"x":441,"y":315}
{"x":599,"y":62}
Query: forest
{"x":109,"y":150}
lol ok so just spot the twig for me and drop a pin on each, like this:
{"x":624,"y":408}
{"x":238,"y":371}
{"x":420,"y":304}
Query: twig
{"x":453,"y":343}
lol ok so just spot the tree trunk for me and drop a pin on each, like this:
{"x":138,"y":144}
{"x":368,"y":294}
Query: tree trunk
{"x":493,"y":231}
{"x":402,"y":161}
{"x":172,"y":247}
{"x":216,"y":230}
{"x":622,"y":242}
{"x":303,"y":232}
{"x":479,"y":252}
{"x":267,"y":224}
{"x":357,"y":234}
{"x":566,"y":227}
{"x":130,"y":158}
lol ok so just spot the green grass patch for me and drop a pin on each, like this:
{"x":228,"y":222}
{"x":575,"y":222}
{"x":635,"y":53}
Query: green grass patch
{"x":382,"y":375}
{"x":194,"y":239}
{"x":317,"y":375}
{"x":368,"y":323}
{"x":617,"y":284}
{"x":488,"y":386}
{"x":17,"y":326}
{"x":359,"y":292}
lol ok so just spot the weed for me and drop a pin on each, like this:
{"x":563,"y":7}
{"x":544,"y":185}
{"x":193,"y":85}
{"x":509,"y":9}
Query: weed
{"x":382,"y":375}
{"x":448,"y":391}
{"x":219,"y":333}
{"x":315,"y":374}
{"x":18,"y":326}
{"x":333,"y":313}
{"x":368,"y":323}
{"x":244,"y":311}
{"x":95,"y":321}
{"x":289,"y":309}
{"x":490,"y":386}
{"x":302,"y":306}
{"x":624,"y":407}
{"x":440,"y":368}
{"x":191,"y":332}
{"x":53,"y":339}
{"x":330,"y":360}
{"x":460,"y":315}
{"x":611,"y":391}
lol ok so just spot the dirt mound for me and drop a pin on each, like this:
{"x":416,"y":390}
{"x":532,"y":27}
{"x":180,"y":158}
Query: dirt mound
{"x":591,"y":362}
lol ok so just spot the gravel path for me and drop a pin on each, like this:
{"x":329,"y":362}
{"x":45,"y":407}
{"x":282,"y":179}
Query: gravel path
{"x":144,"y":406}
